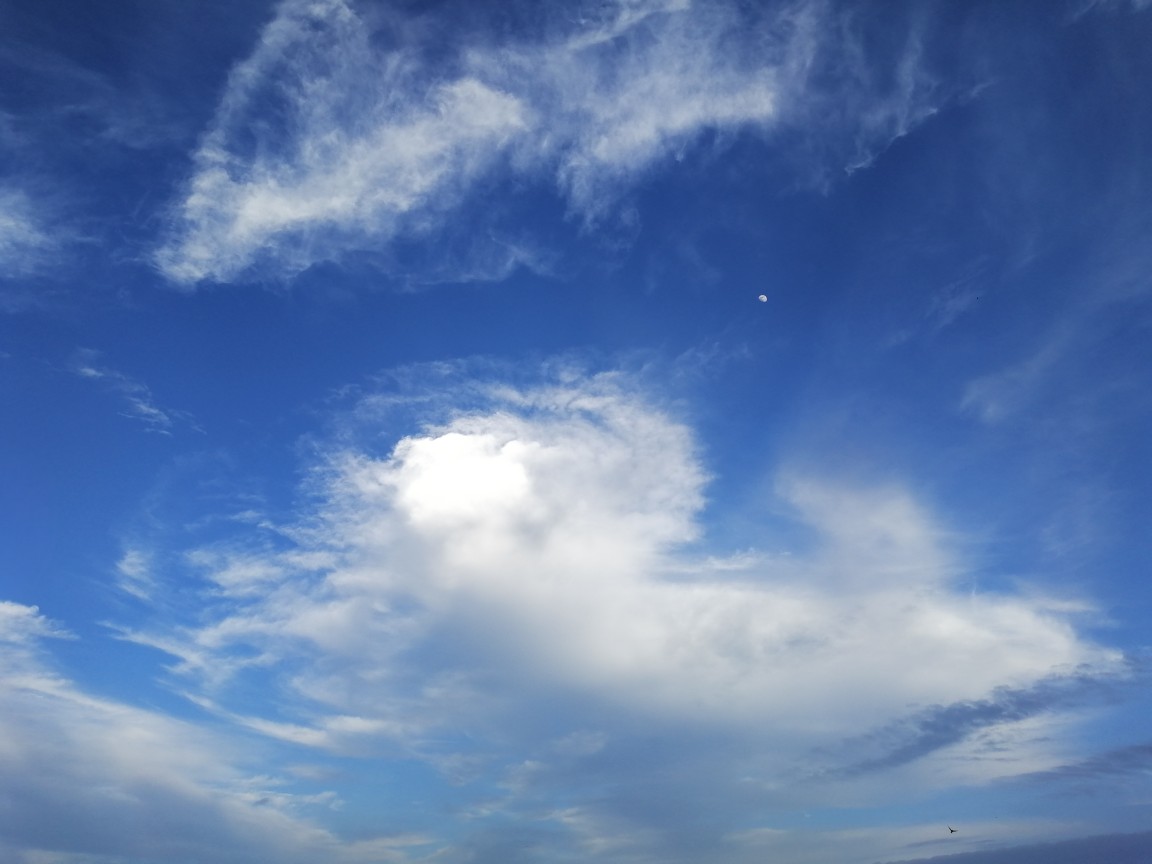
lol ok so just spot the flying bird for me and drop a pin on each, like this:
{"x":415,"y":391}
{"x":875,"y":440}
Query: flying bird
{"x":951,"y":830}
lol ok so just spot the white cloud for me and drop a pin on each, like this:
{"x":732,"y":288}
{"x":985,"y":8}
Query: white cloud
{"x":25,"y":237}
{"x":137,"y":398}
{"x":86,"y":779}
{"x":638,"y":90}
{"x":326,"y":143}
{"x":21,"y":624}
{"x":372,"y":146}
{"x":134,"y":573}
{"x":538,"y":548}
{"x":1005,"y":393}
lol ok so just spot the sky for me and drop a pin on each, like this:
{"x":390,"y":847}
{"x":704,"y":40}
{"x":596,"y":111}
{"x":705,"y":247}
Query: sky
{"x":620,"y":431}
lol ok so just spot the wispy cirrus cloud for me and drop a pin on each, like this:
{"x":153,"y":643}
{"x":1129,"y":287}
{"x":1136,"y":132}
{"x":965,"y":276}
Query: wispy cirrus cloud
{"x":341,"y":133}
{"x":353,"y":163}
{"x":137,"y":398}
{"x":26,"y":238}
{"x":524,"y":560}
{"x":71,"y":94}
{"x":87,"y":778}
{"x":20,"y":625}
{"x":134,"y":573}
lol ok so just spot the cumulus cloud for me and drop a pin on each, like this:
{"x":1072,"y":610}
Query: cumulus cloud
{"x":342,"y":133}
{"x":534,"y":559}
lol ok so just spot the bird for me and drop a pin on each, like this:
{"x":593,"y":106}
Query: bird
{"x":951,"y":830}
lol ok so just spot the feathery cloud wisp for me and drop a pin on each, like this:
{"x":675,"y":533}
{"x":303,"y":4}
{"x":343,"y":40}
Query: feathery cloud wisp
{"x":24,"y":238}
{"x":369,"y":144}
{"x":91,"y":776}
{"x":137,"y":398}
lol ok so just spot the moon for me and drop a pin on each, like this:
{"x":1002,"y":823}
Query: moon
{"x":763,"y":298}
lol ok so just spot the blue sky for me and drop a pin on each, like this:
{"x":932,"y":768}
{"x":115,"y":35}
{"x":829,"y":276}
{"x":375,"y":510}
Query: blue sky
{"x":399,"y":464}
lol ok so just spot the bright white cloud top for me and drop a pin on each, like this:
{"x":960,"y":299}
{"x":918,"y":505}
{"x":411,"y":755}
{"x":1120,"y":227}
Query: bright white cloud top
{"x":545,"y":543}
{"x":396,"y":466}
{"x":528,"y":565}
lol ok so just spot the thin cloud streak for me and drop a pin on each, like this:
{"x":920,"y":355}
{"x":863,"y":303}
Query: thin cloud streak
{"x":137,"y":398}
{"x":26,"y":240}
{"x":88,"y":776}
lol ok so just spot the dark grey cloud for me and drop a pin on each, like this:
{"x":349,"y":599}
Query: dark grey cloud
{"x":943,"y":725}
{"x":1133,"y":760}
